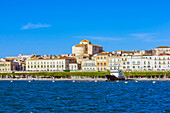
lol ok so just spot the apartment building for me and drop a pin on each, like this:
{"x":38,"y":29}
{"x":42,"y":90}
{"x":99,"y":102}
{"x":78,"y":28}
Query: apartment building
{"x":49,"y":64}
{"x":102,"y":61}
{"x":162,"y":50}
{"x":6,"y":66}
{"x":88,"y":65}
{"x":115,"y":61}
{"x":141,"y":63}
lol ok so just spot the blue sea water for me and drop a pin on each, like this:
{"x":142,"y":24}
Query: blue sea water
{"x":84,"y":96}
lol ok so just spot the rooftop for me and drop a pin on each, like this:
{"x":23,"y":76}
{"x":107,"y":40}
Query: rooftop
{"x":104,"y":53}
{"x":97,"y":45}
{"x":11,"y":58}
{"x":67,"y":58}
{"x":85,"y":40}
{"x":163,"y":47}
{"x":80,"y":45}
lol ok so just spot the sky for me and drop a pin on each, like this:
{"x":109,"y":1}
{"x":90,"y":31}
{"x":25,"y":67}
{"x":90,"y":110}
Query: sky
{"x":52,"y":27}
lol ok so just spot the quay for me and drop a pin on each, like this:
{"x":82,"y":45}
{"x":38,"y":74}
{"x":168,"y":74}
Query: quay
{"x":79,"y":79}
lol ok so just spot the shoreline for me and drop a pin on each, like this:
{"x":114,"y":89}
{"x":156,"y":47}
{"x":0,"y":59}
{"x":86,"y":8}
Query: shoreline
{"x":67,"y":79}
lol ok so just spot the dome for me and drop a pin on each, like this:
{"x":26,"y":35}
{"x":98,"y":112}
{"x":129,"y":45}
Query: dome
{"x":85,"y":42}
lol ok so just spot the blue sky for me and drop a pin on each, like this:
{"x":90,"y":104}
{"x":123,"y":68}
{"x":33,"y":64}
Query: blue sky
{"x":53,"y":26}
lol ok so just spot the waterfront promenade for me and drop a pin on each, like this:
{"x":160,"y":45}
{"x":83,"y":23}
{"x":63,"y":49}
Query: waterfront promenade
{"x":79,"y":79}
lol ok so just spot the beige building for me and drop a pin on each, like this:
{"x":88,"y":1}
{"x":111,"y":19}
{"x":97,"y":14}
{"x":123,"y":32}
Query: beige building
{"x":6,"y":66}
{"x":115,"y":61}
{"x":86,"y":48}
{"x":88,"y":65}
{"x":52,"y":64}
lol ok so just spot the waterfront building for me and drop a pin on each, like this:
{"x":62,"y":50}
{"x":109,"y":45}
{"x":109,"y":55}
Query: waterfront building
{"x":115,"y":61}
{"x":88,"y":65}
{"x":102,"y":60}
{"x":7,"y":66}
{"x":19,"y":63}
{"x":49,"y":64}
{"x":141,"y":63}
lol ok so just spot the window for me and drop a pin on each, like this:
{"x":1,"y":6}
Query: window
{"x":105,"y":64}
{"x":1,"y":64}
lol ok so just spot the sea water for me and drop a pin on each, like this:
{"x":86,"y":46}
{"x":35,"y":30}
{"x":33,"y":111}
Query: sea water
{"x":84,"y":96}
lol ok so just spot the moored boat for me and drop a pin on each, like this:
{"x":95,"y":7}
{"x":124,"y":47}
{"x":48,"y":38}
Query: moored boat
{"x":115,"y":75}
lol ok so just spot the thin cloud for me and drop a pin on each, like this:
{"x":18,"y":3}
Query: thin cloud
{"x":98,"y":38}
{"x":143,"y":35}
{"x":34,"y":26}
{"x":150,"y":37}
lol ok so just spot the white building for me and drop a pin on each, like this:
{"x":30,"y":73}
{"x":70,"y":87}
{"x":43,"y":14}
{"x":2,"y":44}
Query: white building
{"x":58,"y":64}
{"x":88,"y":65}
{"x":162,"y":50}
{"x":141,"y":63}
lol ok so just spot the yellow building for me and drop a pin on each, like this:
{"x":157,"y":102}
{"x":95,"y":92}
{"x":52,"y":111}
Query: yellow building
{"x":102,"y":61}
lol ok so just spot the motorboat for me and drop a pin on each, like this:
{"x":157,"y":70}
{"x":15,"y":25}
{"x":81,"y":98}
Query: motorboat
{"x":115,"y":75}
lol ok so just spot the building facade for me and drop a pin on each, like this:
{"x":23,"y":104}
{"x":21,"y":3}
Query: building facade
{"x":6,"y":66}
{"x":86,"y":48}
{"x":57,"y":64}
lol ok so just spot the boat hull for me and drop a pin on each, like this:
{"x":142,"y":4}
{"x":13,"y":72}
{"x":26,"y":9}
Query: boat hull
{"x":113,"y":78}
